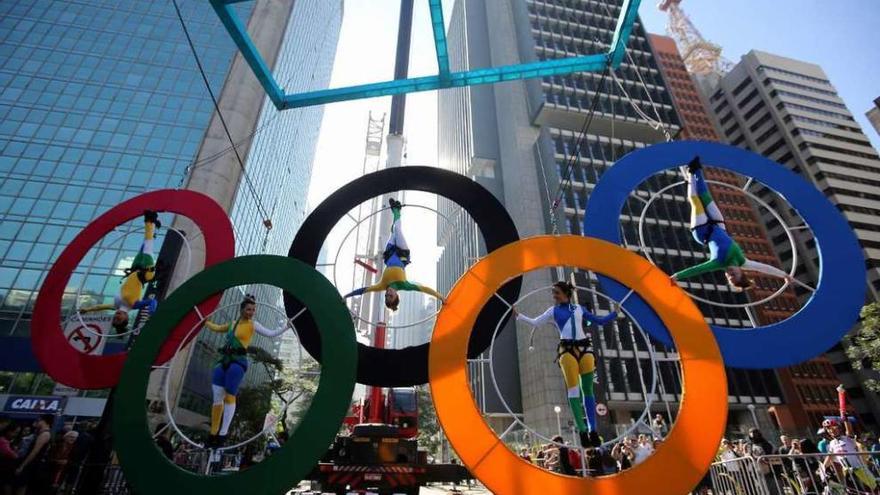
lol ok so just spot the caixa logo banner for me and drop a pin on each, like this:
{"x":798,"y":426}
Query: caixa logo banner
{"x":34,"y":404}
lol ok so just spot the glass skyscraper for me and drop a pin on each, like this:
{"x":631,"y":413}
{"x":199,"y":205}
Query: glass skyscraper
{"x":99,"y":101}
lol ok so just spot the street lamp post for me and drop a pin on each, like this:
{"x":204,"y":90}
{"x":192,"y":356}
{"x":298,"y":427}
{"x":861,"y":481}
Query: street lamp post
{"x":751,"y":408}
{"x":558,"y":410}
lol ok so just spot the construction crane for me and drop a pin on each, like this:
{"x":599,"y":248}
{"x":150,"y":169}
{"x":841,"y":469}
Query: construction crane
{"x":701,"y":56}
{"x":366,"y":230}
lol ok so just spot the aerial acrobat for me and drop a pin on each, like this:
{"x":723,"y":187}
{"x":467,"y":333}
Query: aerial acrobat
{"x":230,"y":368}
{"x":141,"y":272}
{"x":396,"y":257}
{"x":575,"y":355}
{"x":708,"y":228}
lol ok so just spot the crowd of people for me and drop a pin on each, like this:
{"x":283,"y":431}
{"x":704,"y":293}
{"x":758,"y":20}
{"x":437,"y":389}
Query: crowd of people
{"x":840,"y":461}
{"x":559,"y":457}
{"x":34,"y":460}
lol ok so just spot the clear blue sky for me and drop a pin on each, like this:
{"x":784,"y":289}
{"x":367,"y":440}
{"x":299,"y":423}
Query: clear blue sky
{"x":842,"y":36}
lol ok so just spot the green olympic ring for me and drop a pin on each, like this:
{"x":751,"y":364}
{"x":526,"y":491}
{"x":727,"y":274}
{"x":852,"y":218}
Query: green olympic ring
{"x":147,"y":469}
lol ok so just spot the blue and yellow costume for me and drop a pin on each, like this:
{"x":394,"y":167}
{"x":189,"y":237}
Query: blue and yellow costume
{"x":396,"y":257}
{"x":142,"y":271}
{"x":707,"y":228}
{"x":575,"y":356}
{"x":230,"y":368}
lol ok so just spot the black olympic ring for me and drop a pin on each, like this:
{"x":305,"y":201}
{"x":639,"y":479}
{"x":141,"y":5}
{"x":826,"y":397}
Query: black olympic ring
{"x":409,"y":366}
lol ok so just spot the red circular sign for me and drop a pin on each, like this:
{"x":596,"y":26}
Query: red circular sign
{"x":601,"y":409}
{"x":86,"y":339}
{"x":71,"y":367}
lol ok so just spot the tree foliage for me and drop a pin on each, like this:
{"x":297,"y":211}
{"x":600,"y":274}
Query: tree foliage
{"x":864,"y":344}
{"x":430,"y":433}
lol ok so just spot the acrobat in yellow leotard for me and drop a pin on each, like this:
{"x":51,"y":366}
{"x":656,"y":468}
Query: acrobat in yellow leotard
{"x":142,"y":271}
{"x":230,"y":368}
{"x":396,"y":257}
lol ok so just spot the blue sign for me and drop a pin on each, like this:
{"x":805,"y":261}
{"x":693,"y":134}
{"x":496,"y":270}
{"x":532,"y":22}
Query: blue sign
{"x":34,"y":404}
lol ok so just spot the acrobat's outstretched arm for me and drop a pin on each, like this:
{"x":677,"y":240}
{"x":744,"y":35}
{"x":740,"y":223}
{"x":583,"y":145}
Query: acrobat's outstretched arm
{"x":265,"y":332}
{"x":543,"y":318}
{"x":362,"y":290}
{"x":599,"y":320}
{"x":96,"y":308}
{"x":755,"y":266}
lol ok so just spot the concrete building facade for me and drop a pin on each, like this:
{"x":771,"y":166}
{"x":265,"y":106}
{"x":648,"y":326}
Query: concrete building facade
{"x":874,"y":115}
{"x":788,"y":111}
{"x":278,"y":164}
{"x":809,"y":389}
{"x":517,"y":138}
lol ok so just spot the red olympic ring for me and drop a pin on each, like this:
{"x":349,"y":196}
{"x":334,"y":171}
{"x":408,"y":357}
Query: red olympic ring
{"x":62,"y":361}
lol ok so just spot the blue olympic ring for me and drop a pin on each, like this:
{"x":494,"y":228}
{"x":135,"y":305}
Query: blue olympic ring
{"x":820,"y":324}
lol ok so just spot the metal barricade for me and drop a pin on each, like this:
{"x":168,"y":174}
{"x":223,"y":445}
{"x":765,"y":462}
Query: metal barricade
{"x":802,"y":474}
{"x":741,"y":476}
{"x":823,"y":474}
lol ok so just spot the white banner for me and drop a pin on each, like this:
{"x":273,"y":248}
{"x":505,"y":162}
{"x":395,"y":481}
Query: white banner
{"x":91,"y":338}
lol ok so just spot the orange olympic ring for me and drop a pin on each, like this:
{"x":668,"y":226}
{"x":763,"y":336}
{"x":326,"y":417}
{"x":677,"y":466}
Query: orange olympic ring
{"x":686,"y":453}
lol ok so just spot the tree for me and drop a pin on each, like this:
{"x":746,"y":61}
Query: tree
{"x":288,"y":387}
{"x":864,"y":345}
{"x":430,"y":433}
{"x":252,"y":404}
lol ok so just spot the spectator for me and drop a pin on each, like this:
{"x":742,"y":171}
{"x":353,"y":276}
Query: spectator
{"x":8,"y":456}
{"x":562,"y":459}
{"x":823,"y":440}
{"x":623,"y":455}
{"x":25,"y":441}
{"x":525,"y":455}
{"x":59,"y":456}
{"x":758,"y":447}
{"x":843,"y":442}
{"x":658,"y":426}
{"x":161,"y":434}
{"x":32,"y":475}
{"x":643,"y":449}
{"x":78,"y":453}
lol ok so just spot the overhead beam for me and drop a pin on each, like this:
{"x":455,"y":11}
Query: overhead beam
{"x":444,"y":79}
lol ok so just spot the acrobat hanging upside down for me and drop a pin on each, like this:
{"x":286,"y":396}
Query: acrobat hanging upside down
{"x":396,"y":257}
{"x":141,"y":272}
{"x":708,"y":228}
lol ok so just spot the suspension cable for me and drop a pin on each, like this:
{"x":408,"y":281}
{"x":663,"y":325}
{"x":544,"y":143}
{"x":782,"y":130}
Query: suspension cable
{"x":265,"y":214}
{"x":572,"y":161}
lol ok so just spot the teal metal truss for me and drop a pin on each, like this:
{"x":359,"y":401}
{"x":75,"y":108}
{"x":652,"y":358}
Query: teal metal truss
{"x":445,"y":78}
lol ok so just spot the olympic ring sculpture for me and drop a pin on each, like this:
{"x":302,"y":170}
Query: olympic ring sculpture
{"x":62,"y":361}
{"x":464,"y":327}
{"x":701,"y":419}
{"x":831,"y":311}
{"x":149,"y":471}
{"x":409,"y":366}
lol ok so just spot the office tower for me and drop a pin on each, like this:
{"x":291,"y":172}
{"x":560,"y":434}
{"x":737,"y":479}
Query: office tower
{"x":809,"y":389}
{"x":99,"y":101}
{"x":516,"y":138}
{"x":874,"y":115}
{"x":413,"y":323}
{"x":788,"y":111}
{"x":278,"y":168}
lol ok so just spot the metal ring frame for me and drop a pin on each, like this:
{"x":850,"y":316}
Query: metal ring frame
{"x":122,"y":237}
{"x":339,"y":252}
{"x":649,"y":397}
{"x":794,"y":261}
{"x":166,"y":383}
